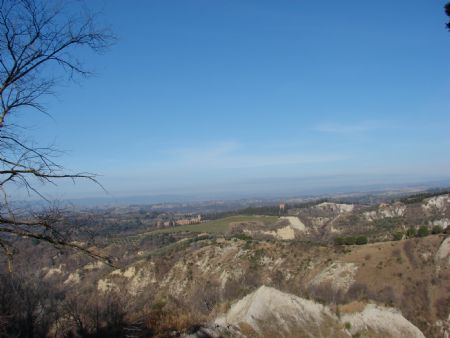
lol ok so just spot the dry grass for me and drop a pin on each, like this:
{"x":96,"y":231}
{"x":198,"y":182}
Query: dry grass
{"x":166,"y":319}
{"x":398,"y":275}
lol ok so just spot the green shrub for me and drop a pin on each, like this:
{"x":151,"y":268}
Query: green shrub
{"x":398,"y":236}
{"x":388,"y":222}
{"x":339,"y":241}
{"x":423,"y":231}
{"x":243,"y":237}
{"x":437,"y":229}
{"x":411,"y":232}
{"x":361,"y":240}
{"x":349,"y":240}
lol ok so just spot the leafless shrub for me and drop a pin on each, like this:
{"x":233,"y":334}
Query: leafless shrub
{"x":357,"y":291}
{"x":95,"y":314}
{"x":386,"y":296}
{"x":232,"y":290}
{"x":163,"y":318}
{"x":27,"y":305}
{"x":205,"y":297}
{"x":415,"y":302}
{"x":325,"y":293}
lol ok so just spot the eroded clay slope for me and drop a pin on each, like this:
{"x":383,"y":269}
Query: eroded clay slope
{"x":268,"y":312}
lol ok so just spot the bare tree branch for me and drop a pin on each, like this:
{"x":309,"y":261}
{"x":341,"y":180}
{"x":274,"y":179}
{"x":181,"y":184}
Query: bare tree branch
{"x":39,"y":43}
{"x":447,"y":11}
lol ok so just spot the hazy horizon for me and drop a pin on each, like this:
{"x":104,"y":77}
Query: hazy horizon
{"x":265,"y":189}
{"x":247,"y":96}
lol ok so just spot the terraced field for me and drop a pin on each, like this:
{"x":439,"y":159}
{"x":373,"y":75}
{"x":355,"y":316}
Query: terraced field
{"x":128,"y":241}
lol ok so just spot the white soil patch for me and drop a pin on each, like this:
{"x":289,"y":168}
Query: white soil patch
{"x":270,"y":312}
{"x":386,"y":211}
{"x":383,"y":321}
{"x":336,"y":207}
{"x":94,"y":265}
{"x":444,"y":223}
{"x":176,"y":279}
{"x":444,"y":251}
{"x":439,"y":202}
{"x":53,"y":271}
{"x":281,"y":311}
{"x":74,"y":278}
{"x":105,"y":285}
{"x":295,"y":222}
{"x":286,"y":233}
{"x":339,"y":275}
{"x":133,"y":278}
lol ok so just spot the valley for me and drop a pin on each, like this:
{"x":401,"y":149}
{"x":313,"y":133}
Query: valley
{"x":346,"y":267}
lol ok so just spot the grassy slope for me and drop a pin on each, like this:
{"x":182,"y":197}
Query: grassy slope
{"x":218,"y":226}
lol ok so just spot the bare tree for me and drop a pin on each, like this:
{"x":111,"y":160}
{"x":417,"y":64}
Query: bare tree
{"x":447,"y":11}
{"x":39,"y":41}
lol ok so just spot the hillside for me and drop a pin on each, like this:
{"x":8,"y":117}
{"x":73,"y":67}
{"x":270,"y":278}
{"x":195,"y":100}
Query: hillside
{"x":215,"y":278}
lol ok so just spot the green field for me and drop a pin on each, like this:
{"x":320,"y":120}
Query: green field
{"x":218,"y":226}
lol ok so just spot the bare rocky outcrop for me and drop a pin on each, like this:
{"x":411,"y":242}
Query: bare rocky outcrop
{"x":295,"y":222}
{"x":268,"y":312}
{"x":444,"y":223}
{"x":443,"y":253}
{"x":73,"y":278}
{"x":386,"y":211}
{"x":134,"y":279}
{"x":336,"y":207}
{"x":338,"y":276}
{"x":94,"y":266}
{"x":380,"y":321}
{"x":439,"y":203}
{"x":285,"y":233}
{"x":288,"y":226}
{"x":50,"y":272}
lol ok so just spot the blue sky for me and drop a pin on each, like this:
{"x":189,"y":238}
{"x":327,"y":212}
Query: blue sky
{"x":234,"y":95}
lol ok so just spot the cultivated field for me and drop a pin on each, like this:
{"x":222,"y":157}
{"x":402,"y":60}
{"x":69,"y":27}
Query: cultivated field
{"x":218,"y":226}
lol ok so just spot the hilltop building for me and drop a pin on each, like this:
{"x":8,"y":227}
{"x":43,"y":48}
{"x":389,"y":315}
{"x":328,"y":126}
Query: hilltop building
{"x":282,"y":209}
